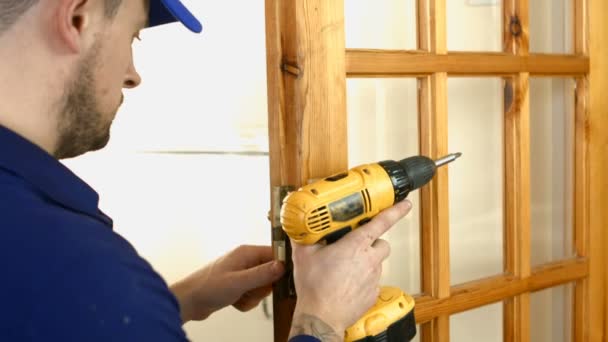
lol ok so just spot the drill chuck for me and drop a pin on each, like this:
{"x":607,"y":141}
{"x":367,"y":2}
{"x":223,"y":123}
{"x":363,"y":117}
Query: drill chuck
{"x":412,"y":173}
{"x":409,"y":174}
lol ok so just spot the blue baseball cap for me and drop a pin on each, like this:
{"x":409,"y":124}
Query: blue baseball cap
{"x":169,"y":11}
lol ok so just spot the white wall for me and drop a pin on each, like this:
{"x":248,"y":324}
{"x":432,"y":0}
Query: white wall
{"x":208,"y":93}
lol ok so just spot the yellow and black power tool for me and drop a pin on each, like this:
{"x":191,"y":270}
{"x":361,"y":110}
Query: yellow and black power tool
{"x":330,"y":208}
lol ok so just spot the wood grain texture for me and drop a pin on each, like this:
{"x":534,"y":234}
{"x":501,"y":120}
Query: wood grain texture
{"x":306,"y":101}
{"x":581,"y":174}
{"x":433,"y":121}
{"x":423,"y":44}
{"x":581,"y":170}
{"x":581,"y":204}
{"x":423,"y":38}
{"x":516,"y":27}
{"x":597,"y":136}
{"x":517,"y":203}
{"x":438,"y":23}
{"x":581,"y":27}
{"x":382,"y":63}
{"x":482,"y":292}
{"x":281,"y":152}
{"x":516,"y":41}
{"x":435,"y":202}
{"x":427,"y":235}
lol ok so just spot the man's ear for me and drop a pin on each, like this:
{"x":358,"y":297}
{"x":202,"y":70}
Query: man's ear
{"x":71,"y":19}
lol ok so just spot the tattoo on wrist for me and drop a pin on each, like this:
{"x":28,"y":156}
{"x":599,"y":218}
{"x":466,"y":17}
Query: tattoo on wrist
{"x":304,"y":324}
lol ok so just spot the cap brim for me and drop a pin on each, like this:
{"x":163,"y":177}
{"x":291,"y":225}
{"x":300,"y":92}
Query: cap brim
{"x":169,"y":11}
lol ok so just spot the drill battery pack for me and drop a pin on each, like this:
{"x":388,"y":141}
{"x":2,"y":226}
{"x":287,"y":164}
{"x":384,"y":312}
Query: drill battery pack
{"x":391,"y":319}
{"x":401,"y":331}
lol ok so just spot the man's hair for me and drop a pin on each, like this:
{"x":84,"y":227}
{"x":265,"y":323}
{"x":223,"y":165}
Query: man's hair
{"x":12,"y":10}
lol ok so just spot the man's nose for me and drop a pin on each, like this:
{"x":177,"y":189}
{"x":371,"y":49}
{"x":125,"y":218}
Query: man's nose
{"x":132,"y":78}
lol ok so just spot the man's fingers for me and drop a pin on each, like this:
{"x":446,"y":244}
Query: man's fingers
{"x":259,"y":276}
{"x":250,"y":256}
{"x":379,"y":225}
{"x":382,"y":248}
{"x":252,"y":298}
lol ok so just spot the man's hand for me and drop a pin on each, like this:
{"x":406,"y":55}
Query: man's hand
{"x":338,"y":283}
{"x":241,"y":278}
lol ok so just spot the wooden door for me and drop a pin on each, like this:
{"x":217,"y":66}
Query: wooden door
{"x":308,"y":65}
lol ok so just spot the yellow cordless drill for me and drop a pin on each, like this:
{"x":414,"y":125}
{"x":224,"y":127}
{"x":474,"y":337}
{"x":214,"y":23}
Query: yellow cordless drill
{"x":330,"y":208}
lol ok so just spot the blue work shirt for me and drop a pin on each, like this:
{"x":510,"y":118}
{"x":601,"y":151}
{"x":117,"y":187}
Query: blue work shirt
{"x":66,"y":275}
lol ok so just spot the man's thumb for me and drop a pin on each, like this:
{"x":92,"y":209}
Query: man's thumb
{"x":260,"y":276}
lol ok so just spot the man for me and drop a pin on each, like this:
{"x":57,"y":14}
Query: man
{"x":66,"y":275}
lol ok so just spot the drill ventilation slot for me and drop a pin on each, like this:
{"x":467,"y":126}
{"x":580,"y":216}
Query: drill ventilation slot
{"x":366,"y":200}
{"x":319,"y":219}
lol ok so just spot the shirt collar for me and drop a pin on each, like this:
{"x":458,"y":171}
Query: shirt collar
{"x":47,"y":174}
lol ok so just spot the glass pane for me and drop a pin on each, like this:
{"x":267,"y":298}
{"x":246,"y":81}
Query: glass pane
{"x":383,"y":124}
{"x":481,"y":324}
{"x":387,"y":24}
{"x":474,"y":25}
{"x":551,"y":26}
{"x":475,"y":128}
{"x":551,"y":167}
{"x":551,"y":314}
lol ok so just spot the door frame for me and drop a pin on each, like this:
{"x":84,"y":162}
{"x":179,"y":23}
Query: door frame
{"x":307,"y":60}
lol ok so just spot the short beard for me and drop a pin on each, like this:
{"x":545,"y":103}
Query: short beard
{"x":81,"y":126}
